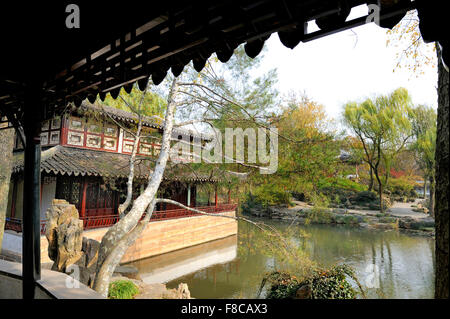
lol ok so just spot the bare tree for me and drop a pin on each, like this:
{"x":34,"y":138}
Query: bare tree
{"x":209,"y":104}
{"x":122,"y":234}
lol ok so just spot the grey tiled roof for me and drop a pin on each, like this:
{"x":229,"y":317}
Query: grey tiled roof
{"x":72,"y":161}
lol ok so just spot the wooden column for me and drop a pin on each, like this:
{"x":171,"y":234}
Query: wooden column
{"x":215,"y":197}
{"x":188,"y":202}
{"x":31,"y":248}
{"x":83,"y":199}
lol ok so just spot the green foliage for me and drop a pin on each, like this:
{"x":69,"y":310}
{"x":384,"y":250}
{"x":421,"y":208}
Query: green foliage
{"x":270,"y":194}
{"x":122,"y":289}
{"x":330,"y":283}
{"x":383,"y":127}
{"x":424,"y":146}
{"x":252,"y":202}
{"x":365,"y":196}
{"x":153,"y":103}
{"x":402,"y":186}
{"x":388,"y":220}
{"x":319,"y":216}
{"x":339,"y":182}
{"x":346,"y":220}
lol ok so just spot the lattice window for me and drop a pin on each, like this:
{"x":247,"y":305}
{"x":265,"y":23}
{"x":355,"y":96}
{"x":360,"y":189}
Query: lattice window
{"x":75,"y":193}
{"x":50,"y":132}
{"x":75,"y":138}
{"x":92,"y":195}
{"x":110,"y":143}
{"x":94,"y":141}
{"x":69,"y":189}
{"x":92,"y":134}
{"x":156,"y":149}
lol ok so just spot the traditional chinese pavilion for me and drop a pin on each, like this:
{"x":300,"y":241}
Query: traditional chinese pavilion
{"x":85,"y":161}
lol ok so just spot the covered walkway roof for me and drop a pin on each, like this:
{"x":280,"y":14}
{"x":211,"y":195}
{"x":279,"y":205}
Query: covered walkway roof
{"x":72,"y":161}
{"x":121,"y":43}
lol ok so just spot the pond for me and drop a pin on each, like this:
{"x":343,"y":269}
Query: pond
{"x":389,"y":264}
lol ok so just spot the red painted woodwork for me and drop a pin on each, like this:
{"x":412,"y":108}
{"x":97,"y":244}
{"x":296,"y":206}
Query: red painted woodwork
{"x":91,"y":222}
{"x":65,"y":134}
{"x":83,"y":200}
{"x":215,"y":197}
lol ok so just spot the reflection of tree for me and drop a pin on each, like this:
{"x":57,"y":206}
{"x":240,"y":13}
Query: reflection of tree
{"x":242,"y":277}
{"x":265,"y":246}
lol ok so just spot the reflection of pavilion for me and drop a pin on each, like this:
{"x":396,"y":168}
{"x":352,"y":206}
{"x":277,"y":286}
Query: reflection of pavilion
{"x":167,"y":267}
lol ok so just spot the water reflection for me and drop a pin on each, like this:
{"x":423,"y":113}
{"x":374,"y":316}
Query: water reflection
{"x":233,"y":267}
{"x":166,"y":267}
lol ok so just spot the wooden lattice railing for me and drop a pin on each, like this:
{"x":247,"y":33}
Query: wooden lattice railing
{"x":91,"y":222}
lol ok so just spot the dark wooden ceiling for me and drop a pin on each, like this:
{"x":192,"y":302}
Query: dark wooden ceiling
{"x":120,"y":43}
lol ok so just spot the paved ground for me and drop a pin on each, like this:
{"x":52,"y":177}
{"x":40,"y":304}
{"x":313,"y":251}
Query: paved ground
{"x":406,"y":210}
{"x":398,"y":209}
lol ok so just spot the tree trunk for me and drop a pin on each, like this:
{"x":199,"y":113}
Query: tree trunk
{"x":371,"y":179}
{"x":380,"y":191}
{"x":442,"y":184}
{"x":122,"y":234}
{"x":6,"y":148}
{"x":425,"y":179}
{"x":431,"y":202}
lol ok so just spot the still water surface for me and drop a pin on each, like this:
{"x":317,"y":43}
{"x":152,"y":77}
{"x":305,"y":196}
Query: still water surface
{"x":233,"y":268}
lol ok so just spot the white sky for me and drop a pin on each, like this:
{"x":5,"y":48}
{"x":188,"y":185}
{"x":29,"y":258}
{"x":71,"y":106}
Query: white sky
{"x":344,"y":67}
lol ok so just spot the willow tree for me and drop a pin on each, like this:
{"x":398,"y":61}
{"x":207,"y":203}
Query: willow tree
{"x":383,"y":126}
{"x":424,"y":146}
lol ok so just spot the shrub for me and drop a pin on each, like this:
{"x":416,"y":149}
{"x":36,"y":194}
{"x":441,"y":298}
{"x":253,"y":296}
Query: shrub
{"x":122,"y":289}
{"x":267,"y":195}
{"x":347,"y":220}
{"x":365,"y":197}
{"x":321,"y":284}
{"x":402,"y":187}
{"x":341,"y":183}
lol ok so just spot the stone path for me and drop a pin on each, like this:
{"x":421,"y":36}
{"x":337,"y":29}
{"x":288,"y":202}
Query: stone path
{"x":406,"y":210}
{"x":398,"y":209}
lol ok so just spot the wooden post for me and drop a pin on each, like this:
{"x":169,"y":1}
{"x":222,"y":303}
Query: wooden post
{"x":31,"y":229}
{"x":215,"y":197}
{"x":188,"y":195}
{"x":83,"y":199}
{"x":229,"y":195}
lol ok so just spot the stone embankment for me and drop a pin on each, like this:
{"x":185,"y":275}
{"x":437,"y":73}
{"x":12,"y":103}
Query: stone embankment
{"x":401,"y":216}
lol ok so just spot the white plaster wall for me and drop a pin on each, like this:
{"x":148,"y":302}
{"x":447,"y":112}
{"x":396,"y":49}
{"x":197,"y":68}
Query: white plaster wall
{"x":119,"y":147}
{"x":19,"y":200}
{"x":48,"y":194}
{"x":12,"y":242}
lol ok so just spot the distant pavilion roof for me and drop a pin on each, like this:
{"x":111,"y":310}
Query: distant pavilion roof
{"x":71,"y":161}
